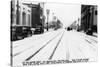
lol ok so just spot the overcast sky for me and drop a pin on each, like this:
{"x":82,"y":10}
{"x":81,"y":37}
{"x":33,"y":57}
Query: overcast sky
{"x":67,"y":13}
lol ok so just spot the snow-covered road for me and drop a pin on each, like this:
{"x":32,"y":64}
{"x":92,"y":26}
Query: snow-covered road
{"x":55,"y":45}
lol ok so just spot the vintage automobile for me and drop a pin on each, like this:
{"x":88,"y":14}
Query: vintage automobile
{"x":20,"y":32}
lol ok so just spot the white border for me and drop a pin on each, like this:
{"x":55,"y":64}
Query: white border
{"x":5,"y":33}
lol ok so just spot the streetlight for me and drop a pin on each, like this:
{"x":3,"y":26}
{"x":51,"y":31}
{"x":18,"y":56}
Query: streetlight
{"x":48,"y":11}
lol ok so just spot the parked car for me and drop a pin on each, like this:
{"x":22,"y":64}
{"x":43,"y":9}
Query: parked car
{"x":38,"y":30}
{"x":89,"y":31}
{"x":20,"y":32}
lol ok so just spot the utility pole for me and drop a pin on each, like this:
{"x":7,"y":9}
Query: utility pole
{"x":47,"y":18}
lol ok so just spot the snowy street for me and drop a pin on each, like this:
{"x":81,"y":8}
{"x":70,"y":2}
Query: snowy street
{"x":52,"y":33}
{"x":55,"y":45}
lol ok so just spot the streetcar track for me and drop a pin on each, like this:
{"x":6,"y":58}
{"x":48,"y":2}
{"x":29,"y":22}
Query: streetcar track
{"x":32,"y":47}
{"x":27,"y":42}
{"x":56,"y":47}
{"x":90,"y":45}
{"x":22,"y":51}
{"x":88,"y":41}
{"x":35,"y":53}
{"x":41,"y":48}
{"x":81,"y":51}
{"x":17,"y":53}
{"x":67,"y":55}
{"x":92,"y":39}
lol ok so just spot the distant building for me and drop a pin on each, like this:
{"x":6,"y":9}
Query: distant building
{"x":75,"y":25}
{"x":89,"y":18}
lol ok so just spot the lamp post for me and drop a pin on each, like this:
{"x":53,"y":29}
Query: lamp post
{"x":47,"y":17}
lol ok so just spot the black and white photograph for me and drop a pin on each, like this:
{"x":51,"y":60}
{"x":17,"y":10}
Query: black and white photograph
{"x":44,"y":33}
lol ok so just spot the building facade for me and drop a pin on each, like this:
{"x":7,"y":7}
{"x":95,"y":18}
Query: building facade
{"x":26,"y":19}
{"x":89,"y":18}
{"x":21,"y":14}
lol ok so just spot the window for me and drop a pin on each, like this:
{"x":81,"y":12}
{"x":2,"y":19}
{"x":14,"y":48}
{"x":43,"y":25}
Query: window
{"x":96,"y":12}
{"x":24,"y":18}
{"x":29,"y":20}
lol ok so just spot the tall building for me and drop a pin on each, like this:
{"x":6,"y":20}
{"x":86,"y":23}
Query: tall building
{"x":20,"y":20}
{"x":26,"y":19}
{"x":89,"y":18}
